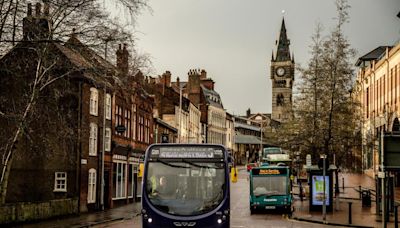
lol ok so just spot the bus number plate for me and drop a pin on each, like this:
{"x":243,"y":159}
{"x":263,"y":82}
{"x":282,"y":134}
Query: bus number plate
{"x":269,"y":207}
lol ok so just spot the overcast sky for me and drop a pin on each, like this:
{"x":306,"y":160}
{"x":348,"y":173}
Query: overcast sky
{"x":233,"y":39}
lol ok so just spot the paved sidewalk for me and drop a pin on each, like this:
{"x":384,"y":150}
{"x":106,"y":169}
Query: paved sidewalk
{"x":90,"y":219}
{"x":360,"y":216}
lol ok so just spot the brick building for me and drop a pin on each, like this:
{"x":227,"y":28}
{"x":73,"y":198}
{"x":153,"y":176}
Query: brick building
{"x":200,"y":91}
{"x":59,"y":147}
{"x":71,"y":133}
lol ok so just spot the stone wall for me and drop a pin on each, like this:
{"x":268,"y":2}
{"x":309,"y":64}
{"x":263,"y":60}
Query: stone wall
{"x":23,"y":212}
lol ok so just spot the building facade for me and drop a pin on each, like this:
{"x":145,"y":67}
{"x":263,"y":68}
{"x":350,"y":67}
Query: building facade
{"x":378,"y":91}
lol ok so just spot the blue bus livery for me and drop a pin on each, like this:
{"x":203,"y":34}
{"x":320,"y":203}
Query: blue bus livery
{"x":186,"y":185}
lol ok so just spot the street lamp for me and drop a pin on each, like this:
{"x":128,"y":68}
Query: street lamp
{"x":323,"y":156}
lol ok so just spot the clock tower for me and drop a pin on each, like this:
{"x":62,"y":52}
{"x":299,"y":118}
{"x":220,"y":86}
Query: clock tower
{"x":282,"y":76}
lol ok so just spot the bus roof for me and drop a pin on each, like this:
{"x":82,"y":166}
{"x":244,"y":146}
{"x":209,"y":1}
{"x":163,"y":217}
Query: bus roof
{"x":278,"y":158}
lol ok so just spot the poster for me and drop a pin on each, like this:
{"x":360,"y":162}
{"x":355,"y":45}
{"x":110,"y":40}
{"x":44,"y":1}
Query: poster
{"x":317,"y":184}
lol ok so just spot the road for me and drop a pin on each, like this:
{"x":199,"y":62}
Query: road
{"x":240,"y":217}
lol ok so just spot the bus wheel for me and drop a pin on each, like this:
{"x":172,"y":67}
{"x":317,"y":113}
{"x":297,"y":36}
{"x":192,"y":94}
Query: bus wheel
{"x":252,"y":210}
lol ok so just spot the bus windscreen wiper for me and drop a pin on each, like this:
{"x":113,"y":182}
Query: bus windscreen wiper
{"x":169,"y":164}
{"x":197,"y":165}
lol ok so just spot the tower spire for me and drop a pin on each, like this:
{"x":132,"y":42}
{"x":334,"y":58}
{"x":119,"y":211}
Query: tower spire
{"x":283,"y":52}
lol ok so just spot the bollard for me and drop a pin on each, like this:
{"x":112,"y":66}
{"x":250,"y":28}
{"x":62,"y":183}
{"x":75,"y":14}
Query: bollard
{"x":301,"y":192}
{"x":396,"y":219}
{"x":350,"y":212}
{"x":343,"y":183}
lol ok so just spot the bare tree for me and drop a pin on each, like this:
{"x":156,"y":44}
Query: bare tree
{"x":83,"y":17}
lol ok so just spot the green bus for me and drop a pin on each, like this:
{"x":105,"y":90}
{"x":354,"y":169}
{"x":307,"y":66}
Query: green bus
{"x":270,"y":188}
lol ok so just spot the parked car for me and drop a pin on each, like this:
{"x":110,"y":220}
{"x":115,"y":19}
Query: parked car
{"x":250,"y":166}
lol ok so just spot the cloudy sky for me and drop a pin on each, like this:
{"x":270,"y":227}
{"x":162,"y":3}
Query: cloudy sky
{"x":233,"y":39}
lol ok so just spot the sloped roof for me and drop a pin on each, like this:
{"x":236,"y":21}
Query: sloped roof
{"x":74,"y":57}
{"x":246,"y":126}
{"x":212,"y":97}
{"x":375,"y":54}
{"x":247,"y":139}
{"x":165,"y":124}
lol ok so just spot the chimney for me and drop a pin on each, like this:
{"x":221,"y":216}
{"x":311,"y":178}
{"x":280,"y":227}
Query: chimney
{"x":203,"y":74}
{"x":38,"y":9}
{"x":38,"y":26}
{"x":167,"y":78}
{"x":29,"y":13}
{"x":178,"y":82}
{"x":193,"y":87}
{"x":123,"y":60}
{"x":46,"y":9}
{"x":248,"y":113}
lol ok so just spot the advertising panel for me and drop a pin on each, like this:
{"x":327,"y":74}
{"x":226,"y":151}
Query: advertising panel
{"x":317,"y":184}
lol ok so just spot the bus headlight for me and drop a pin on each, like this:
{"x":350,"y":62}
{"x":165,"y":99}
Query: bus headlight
{"x":219,"y":221}
{"x":150,"y":220}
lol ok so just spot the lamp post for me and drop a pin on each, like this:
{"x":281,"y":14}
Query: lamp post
{"x":261,"y":142}
{"x":180,"y":115}
{"x":324,"y":188}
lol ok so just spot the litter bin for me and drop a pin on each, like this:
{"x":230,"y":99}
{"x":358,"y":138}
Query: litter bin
{"x":366,"y":198}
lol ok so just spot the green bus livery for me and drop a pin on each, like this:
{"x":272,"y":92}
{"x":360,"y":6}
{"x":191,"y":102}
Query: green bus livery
{"x":270,"y":188}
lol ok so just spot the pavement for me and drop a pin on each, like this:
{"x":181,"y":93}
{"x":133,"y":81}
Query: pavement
{"x":361,"y":216}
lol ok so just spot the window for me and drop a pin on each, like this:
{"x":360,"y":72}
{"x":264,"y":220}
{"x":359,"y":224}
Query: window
{"x":92,"y":186}
{"x":119,"y":180}
{"x":118,"y":117}
{"x":107,"y":139}
{"x":127,"y":121}
{"x":93,"y":139}
{"x":141,"y":128}
{"x":108,"y":106}
{"x":94,"y":101}
{"x":147,"y":130}
{"x":134,"y":123}
{"x":131,"y":181}
{"x":60,"y":182}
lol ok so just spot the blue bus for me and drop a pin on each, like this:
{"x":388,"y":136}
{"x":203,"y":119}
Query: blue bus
{"x":186,"y":185}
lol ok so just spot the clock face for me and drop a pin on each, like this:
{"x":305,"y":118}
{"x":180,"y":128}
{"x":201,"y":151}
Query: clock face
{"x":280,"y":71}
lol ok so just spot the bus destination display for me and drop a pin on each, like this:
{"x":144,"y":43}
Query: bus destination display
{"x":187,"y":152}
{"x":268,"y":171}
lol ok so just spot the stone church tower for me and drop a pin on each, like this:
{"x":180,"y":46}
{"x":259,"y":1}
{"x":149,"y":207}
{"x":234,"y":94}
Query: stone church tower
{"x":282,"y":76}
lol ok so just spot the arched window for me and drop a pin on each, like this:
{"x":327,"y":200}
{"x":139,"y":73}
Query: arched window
{"x":280,"y":100}
{"x":91,"y":197}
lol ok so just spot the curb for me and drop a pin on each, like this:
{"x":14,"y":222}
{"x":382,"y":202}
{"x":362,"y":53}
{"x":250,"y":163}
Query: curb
{"x":106,"y":221}
{"x":100,"y":222}
{"x":328,"y":223}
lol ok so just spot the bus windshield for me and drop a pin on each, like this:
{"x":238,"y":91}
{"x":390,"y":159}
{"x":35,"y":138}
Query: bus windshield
{"x":269,"y":185}
{"x":185,"y":187}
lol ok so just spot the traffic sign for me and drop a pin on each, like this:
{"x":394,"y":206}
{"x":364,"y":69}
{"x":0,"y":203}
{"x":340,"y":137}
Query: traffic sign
{"x":308,"y":160}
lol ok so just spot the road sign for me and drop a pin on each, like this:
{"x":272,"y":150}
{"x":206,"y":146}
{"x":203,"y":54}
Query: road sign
{"x":308,"y":160}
